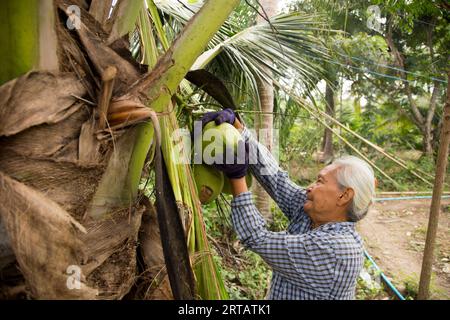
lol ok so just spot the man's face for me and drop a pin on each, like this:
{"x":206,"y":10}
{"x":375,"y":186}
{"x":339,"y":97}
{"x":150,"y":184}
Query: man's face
{"x":323,"y":195}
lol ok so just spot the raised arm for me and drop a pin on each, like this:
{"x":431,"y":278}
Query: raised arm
{"x":306,"y":260}
{"x":288,"y":196}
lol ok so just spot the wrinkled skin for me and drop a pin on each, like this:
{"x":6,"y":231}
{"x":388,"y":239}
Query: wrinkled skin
{"x":326,"y":200}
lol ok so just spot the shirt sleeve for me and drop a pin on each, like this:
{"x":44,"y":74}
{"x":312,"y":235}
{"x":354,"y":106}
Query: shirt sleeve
{"x":306,"y":260}
{"x":288,"y":196}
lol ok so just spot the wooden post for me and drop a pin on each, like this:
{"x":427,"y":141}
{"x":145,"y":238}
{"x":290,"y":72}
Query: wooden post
{"x":441,"y":167}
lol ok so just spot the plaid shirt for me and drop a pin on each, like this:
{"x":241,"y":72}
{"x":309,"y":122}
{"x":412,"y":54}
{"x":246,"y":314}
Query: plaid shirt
{"x":320,"y":263}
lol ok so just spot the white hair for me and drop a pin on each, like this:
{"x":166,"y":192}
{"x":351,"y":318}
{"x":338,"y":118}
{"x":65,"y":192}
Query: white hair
{"x":352,"y":172}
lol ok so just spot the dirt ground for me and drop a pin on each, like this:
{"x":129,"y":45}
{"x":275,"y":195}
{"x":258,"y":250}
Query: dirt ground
{"x":394,"y":233}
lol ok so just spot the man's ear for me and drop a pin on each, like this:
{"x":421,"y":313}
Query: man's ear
{"x":346,"y":197}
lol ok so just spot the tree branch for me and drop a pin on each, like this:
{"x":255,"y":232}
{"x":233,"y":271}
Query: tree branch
{"x":435,"y":93}
{"x":400,"y":61}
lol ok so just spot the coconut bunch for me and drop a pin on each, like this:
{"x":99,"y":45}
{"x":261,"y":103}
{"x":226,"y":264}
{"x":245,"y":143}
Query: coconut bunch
{"x":214,"y":141}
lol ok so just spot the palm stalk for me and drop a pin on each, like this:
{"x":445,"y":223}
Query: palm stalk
{"x":19,"y":33}
{"x":147,"y":38}
{"x":120,"y":182}
{"x":209,"y":282}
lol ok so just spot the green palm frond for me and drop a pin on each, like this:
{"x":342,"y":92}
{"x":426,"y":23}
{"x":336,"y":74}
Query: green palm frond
{"x":153,"y":41}
{"x":288,"y":47}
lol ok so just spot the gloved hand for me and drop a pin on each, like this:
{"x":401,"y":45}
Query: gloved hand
{"x":226,"y":115}
{"x":219,"y":117}
{"x":239,"y":166}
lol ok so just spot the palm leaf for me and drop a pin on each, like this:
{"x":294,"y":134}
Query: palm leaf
{"x":239,"y":57}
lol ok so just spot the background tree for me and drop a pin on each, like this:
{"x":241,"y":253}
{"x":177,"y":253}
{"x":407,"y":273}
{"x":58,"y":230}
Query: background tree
{"x":416,"y":40}
{"x":264,"y":120}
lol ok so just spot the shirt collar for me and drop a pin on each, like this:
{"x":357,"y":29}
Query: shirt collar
{"x":335,"y":226}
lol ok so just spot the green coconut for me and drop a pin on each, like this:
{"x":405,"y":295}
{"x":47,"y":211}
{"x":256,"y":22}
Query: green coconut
{"x":216,"y":138}
{"x":227,"y":185}
{"x":209,"y":182}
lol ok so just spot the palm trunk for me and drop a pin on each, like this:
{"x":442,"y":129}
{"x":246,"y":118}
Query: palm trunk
{"x":56,"y":171}
{"x":264,"y":121}
{"x":264,"y":128}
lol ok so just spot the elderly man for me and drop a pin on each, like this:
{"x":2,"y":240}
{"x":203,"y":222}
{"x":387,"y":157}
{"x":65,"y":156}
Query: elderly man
{"x":320,"y":255}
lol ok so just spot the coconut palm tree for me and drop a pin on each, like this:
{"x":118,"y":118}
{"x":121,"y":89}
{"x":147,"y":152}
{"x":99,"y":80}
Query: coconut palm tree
{"x":73,"y":147}
{"x":247,"y":58}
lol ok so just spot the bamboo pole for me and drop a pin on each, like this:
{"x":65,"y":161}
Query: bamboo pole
{"x":376,"y":147}
{"x":408,"y":192}
{"x":441,"y":167}
{"x":322,"y":121}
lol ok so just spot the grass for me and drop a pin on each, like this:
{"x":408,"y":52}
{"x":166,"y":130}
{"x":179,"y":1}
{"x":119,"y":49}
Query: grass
{"x":411,"y":283}
{"x":245,"y":274}
{"x":373,"y":289}
{"x":247,"y":277}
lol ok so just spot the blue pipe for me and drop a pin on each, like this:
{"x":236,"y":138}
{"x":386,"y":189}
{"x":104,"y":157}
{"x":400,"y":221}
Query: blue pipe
{"x":383,"y":277}
{"x":407,"y":198}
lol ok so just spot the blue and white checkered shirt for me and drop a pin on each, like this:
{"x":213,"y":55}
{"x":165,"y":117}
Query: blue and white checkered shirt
{"x":308,"y":264}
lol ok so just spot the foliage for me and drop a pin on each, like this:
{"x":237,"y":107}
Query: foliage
{"x":370,"y":289}
{"x":420,"y":32}
{"x":411,"y":285}
{"x":241,"y":52}
{"x":250,"y":279}
{"x":244,"y":15}
{"x":245,"y":274}
{"x":279,"y":221}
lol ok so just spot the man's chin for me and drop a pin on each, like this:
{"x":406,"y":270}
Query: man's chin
{"x":307,"y":206}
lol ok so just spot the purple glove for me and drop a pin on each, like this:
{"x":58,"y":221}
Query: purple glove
{"x":219,"y":117}
{"x":239,"y":166}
